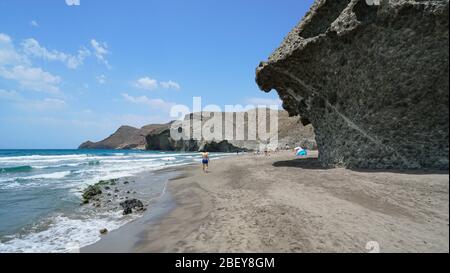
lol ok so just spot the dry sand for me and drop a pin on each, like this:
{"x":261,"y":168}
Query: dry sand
{"x":282,"y":204}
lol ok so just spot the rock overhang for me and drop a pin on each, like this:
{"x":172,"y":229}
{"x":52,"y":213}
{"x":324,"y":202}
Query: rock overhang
{"x":371,"y":70}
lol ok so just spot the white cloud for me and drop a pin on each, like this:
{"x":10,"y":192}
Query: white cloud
{"x":17,"y":67}
{"x":8,"y":54}
{"x":100,"y":48}
{"x":144,"y":100}
{"x":33,"y":78}
{"x":32,"y":48}
{"x":101,"y":79}
{"x":22,"y":103}
{"x":147,"y":83}
{"x":33,"y":23}
{"x":100,"y":51}
{"x":73,"y":2}
{"x":5,"y":38}
{"x":170,"y":85}
{"x":73,"y":61}
{"x":47,"y":104}
{"x":6,"y":95}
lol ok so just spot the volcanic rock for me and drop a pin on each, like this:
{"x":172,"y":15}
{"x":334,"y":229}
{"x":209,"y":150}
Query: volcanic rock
{"x":372,"y":78}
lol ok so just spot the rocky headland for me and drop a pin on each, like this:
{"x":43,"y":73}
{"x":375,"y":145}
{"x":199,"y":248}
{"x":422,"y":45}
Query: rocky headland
{"x":125,"y":138}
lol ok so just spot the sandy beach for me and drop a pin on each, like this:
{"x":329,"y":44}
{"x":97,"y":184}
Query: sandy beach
{"x":278,"y":203}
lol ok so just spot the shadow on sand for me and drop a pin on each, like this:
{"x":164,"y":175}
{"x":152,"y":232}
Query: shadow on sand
{"x":302,"y":163}
{"x":314,"y":164}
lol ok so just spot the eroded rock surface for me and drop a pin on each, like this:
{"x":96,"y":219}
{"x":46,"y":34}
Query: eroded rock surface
{"x":372,"y":79}
{"x":129,"y":205}
{"x":291,"y":132}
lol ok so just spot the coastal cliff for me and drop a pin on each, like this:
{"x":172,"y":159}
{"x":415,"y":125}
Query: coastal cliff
{"x":125,"y":138}
{"x":291,"y":132}
{"x":371,"y":79}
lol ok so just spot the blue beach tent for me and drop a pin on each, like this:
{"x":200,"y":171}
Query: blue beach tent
{"x":301,"y":152}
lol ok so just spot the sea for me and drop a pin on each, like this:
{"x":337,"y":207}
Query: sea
{"x":40,"y":194}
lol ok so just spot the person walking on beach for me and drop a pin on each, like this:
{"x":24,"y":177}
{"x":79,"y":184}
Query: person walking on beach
{"x":205,"y":161}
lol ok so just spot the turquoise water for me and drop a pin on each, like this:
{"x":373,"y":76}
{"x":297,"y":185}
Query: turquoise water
{"x":40,"y":193}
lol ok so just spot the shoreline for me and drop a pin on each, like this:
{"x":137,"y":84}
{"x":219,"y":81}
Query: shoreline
{"x":279,"y":203}
{"x":92,"y":199}
{"x":123,"y":238}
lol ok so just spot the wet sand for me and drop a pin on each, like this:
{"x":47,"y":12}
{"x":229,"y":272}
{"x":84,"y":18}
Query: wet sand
{"x":279,"y":203}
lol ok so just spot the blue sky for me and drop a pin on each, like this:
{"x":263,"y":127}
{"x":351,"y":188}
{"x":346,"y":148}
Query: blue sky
{"x":73,"y":73}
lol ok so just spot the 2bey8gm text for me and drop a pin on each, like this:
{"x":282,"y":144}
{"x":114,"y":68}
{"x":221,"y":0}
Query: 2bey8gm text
{"x":204,"y":264}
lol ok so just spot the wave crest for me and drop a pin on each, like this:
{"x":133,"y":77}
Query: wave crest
{"x":18,"y":169}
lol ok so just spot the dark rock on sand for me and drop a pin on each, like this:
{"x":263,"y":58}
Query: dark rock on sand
{"x":131,"y":204}
{"x":91,"y":192}
{"x":372,"y":79}
{"x":108,"y":182}
{"x":103,"y":231}
{"x":127,"y":211}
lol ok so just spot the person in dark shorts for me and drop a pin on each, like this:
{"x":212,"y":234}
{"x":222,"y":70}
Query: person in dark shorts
{"x":205,"y":161}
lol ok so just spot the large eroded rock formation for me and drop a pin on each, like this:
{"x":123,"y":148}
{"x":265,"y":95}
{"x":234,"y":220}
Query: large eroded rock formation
{"x":372,"y":79}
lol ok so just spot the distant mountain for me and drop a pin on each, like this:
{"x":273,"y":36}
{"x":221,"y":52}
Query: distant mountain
{"x":291,"y":132}
{"x":125,"y":138}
